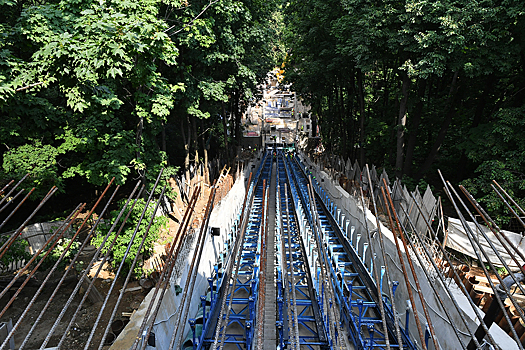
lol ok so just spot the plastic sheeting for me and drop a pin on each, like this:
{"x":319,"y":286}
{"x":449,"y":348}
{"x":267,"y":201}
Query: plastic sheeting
{"x":458,"y":240}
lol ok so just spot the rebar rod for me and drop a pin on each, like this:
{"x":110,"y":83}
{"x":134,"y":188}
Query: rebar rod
{"x":431,"y":283}
{"x":12,"y":200}
{"x":86,"y":240}
{"x":472,"y":239}
{"x":508,"y":205}
{"x":412,"y":269}
{"x":11,"y":190}
{"x":376,"y":272}
{"x":73,"y":294}
{"x":231,"y":262}
{"x":101,"y":264}
{"x":458,"y":279}
{"x":512,"y":201}
{"x":11,"y":239}
{"x":194,"y":267}
{"x":498,"y":255}
{"x":6,"y":186}
{"x":58,"y":235}
{"x":387,"y":270}
{"x":404,"y":270}
{"x":166,"y":272}
{"x":121,"y":266}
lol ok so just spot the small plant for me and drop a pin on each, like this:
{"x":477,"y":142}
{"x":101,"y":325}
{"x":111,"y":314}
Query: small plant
{"x":57,"y":251}
{"x":17,"y":252}
{"x":119,"y":248}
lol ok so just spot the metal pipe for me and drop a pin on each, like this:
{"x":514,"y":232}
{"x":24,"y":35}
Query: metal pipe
{"x":376,"y":272}
{"x":458,"y":279}
{"x":28,"y":336}
{"x":6,"y":186}
{"x":404,"y":269}
{"x":387,"y":270}
{"x":512,"y":201}
{"x":12,"y":200}
{"x":11,"y":190}
{"x":132,"y":239}
{"x":166,"y":272}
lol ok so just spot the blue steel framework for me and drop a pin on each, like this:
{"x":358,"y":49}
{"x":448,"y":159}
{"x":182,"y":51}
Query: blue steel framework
{"x":351,"y":271}
{"x":299,"y":319}
{"x":349,"y":266}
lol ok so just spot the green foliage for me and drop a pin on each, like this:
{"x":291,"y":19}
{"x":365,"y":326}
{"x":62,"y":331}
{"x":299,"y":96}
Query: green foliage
{"x":57,"y":251}
{"x":121,"y":244}
{"x":17,"y":251}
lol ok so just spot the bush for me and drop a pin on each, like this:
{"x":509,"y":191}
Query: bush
{"x":53,"y":257}
{"x":17,"y":252}
{"x":121,"y":244}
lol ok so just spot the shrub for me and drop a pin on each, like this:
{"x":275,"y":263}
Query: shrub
{"x":121,"y":244}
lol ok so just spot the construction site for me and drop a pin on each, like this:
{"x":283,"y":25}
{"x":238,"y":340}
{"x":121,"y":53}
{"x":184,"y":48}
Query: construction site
{"x":287,"y":248}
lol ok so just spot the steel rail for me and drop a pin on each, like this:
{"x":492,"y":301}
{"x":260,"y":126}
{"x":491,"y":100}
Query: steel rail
{"x":11,"y":239}
{"x":132,"y":239}
{"x":231,"y":262}
{"x":262,"y":269}
{"x":194,"y":267}
{"x":472,"y":239}
{"x":102,"y":262}
{"x":12,"y":200}
{"x":166,"y":271}
{"x":11,"y":190}
{"x":387,"y":270}
{"x":73,"y":294}
{"x":457,"y":278}
{"x":412,"y":269}
{"x":431,"y":283}
{"x":292,"y":277}
{"x":376,"y":272}
{"x":404,"y":269}
{"x":58,"y":235}
{"x":86,"y":240}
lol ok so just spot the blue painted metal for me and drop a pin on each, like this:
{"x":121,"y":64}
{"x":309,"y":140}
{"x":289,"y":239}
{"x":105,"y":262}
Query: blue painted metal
{"x":352,"y":281}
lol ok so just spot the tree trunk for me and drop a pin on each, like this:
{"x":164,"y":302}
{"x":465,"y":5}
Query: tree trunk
{"x":444,"y":128}
{"x":361,"y":117}
{"x":225,"y":127}
{"x":205,"y":151}
{"x":401,"y":123}
{"x":414,"y":127}
{"x":187,"y":142}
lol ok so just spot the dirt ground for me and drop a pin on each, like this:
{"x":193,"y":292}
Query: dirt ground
{"x":81,"y":328}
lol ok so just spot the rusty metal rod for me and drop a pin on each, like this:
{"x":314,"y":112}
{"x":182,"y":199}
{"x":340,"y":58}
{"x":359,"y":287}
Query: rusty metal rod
{"x":73,"y":294}
{"x":473,"y":241}
{"x":431,"y":283}
{"x":11,"y":190}
{"x":194,"y":266}
{"x":512,"y":201}
{"x":12,"y":200}
{"x":6,"y":186}
{"x":124,"y":221}
{"x":132,"y":239}
{"x":28,"y":336}
{"x":457,"y":278}
{"x":10,"y":241}
{"x":101,"y":264}
{"x":170,"y":263}
{"x":17,"y":207}
{"x":387,"y":270}
{"x":404,"y":269}
{"x":58,"y":235}
{"x":414,"y":275}
{"x":239,"y":238}
{"x":376,"y":272}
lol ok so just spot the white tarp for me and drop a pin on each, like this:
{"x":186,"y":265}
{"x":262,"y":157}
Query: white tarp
{"x":458,"y":240}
